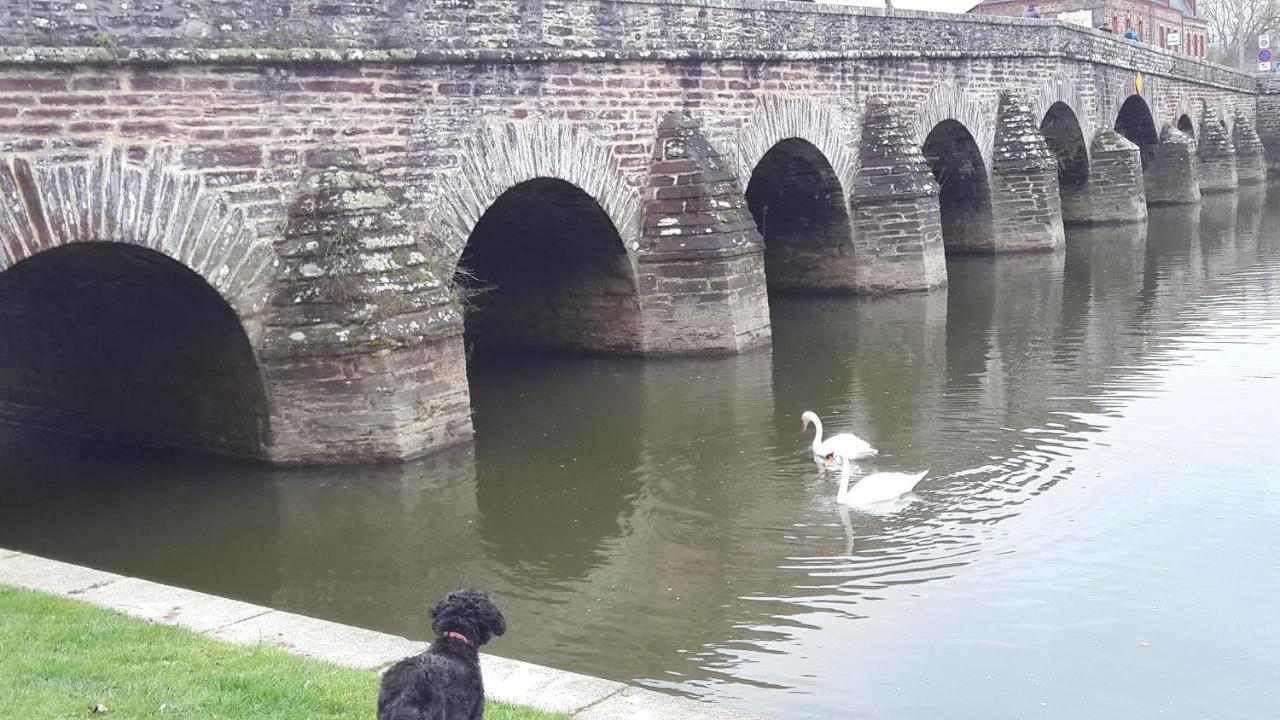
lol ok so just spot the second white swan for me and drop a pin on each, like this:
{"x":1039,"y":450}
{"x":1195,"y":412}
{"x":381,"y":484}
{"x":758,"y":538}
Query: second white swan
{"x":845,"y":445}
{"x":876,"y":487}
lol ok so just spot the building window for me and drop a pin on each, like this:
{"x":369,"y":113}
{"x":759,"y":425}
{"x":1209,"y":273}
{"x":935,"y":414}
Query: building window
{"x":1115,"y":25}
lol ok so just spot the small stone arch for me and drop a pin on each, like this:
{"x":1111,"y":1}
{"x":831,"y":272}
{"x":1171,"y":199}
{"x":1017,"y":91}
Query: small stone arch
{"x":946,"y":102}
{"x":500,"y":157}
{"x":1063,"y":89}
{"x":776,"y":119}
{"x":1150,"y":94}
{"x":146,"y":202}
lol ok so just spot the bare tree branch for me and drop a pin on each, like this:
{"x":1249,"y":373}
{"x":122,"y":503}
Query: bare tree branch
{"x":1234,"y":25}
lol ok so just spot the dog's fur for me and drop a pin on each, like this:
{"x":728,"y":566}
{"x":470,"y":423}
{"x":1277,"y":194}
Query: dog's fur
{"x":444,"y":682}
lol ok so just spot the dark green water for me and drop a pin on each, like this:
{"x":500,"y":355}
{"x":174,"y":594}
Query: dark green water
{"x":1097,"y":537}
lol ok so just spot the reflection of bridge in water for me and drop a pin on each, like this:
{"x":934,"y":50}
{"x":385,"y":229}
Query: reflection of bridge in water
{"x":213,"y":243}
{"x":608,"y":521}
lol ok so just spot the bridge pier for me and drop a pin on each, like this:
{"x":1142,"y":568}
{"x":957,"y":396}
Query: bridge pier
{"x":1267,"y":121}
{"x":363,"y":347}
{"x":897,"y":230}
{"x":701,"y":276}
{"x":1114,"y":192}
{"x":1169,"y":175}
{"x":1251,"y":164}
{"x":1025,"y":203}
{"x":1215,"y":155}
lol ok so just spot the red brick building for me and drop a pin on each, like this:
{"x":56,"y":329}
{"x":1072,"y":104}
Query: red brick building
{"x":1171,"y":24}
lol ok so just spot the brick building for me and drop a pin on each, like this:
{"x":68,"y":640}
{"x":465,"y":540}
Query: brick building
{"x":1171,"y":24}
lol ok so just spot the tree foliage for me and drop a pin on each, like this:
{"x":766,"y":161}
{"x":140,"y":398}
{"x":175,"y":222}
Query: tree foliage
{"x":1234,"y":25}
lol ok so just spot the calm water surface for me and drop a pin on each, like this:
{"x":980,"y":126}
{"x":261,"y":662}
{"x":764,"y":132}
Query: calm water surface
{"x":1097,"y":537}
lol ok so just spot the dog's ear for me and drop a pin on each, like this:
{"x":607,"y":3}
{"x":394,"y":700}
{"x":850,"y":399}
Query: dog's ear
{"x":493,"y":618}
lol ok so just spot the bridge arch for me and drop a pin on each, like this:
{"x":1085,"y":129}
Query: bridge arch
{"x":1186,"y":125}
{"x":800,"y":208}
{"x":1065,"y":136}
{"x":1136,"y":123}
{"x":130,"y":303}
{"x":946,"y":102}
{"x":501,"y":157}
{"x":776,"y":119}
{"x":965,"y":191}
{"x":1062,"y":90}
{"x":140,"y":201}
{"x":546,"y":268}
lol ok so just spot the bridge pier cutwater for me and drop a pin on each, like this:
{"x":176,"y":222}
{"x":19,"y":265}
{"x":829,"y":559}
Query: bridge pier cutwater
{"x":301,"y":226}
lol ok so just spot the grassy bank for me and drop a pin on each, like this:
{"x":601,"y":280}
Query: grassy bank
{"x":58,"y":658}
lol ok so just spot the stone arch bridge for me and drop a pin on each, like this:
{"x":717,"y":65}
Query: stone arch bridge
{"x":272,"y":229}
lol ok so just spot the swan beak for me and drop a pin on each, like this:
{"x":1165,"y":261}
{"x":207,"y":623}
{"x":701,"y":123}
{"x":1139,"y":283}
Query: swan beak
{"x":831,"y":457}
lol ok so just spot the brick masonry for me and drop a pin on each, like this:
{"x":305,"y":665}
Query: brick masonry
{"x":338,"y":187}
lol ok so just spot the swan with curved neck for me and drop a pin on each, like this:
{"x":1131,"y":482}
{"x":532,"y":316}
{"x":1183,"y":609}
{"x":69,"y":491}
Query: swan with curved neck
{"x":876,"y":487}
{"x":846,"y":445}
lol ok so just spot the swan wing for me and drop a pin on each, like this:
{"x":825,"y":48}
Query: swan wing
{"x":882,"y":486}
{"x":847,"y":445}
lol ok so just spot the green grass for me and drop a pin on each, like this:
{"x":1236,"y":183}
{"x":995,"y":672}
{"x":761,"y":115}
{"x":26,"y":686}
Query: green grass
{"x":59,"y":657}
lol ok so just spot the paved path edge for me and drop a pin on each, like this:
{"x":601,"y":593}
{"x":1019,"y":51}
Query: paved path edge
{"x":513,"y":681}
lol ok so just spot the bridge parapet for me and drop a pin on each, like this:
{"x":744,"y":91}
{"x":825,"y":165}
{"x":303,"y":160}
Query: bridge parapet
{"x":517,"y":30}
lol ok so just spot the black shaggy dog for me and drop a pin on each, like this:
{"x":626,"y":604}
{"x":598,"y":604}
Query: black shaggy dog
{"x":444,"y":682}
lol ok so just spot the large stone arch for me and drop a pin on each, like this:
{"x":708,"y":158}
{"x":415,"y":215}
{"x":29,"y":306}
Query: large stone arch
{"x":131,"y":304}
{"x":776,"y":119}
{"x":144,"y":201}
{"x":500,"y":157}
{"x":946,"y":102}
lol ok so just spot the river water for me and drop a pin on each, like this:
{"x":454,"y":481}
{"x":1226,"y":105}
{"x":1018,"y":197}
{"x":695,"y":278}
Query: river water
{"x":1096,"y":538}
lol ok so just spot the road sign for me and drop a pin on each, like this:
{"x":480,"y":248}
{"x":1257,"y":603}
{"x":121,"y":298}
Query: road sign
{"x":1264,"y":55}
{"x":1264,"y":67}
{"x":1264,"y":41}
{"x":1173,"y":39}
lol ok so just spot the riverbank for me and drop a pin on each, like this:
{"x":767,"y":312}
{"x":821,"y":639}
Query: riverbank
{"x":293,"y":666}
{"x":67,"y":657}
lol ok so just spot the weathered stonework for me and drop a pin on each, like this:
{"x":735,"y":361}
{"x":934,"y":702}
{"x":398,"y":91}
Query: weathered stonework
{"x":1114,"y":193}
{"x":701,"y":274}
{"x":1025,"y":203}
{"x":1251,"y":162}
{"x":1267,"y":116}
{"x":363,"y":343}
{"x":1170,"y":173}
{"x":1215,"y":155}
{"x":897,"y":230}
{"x":514,"y":173}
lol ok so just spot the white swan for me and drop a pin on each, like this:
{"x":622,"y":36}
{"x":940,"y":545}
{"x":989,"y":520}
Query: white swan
{"x":876,"y":487}
{"x":844,"y":445}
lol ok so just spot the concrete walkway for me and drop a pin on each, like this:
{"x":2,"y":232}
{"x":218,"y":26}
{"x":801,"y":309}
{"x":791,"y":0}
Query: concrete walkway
{"x":513,"y":681}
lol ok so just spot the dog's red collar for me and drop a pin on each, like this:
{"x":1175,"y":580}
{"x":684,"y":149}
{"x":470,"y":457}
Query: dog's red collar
{"x":456,"y":636}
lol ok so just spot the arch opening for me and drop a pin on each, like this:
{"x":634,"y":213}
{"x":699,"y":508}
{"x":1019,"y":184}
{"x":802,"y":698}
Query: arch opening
{"x":1135,"y":122}
{"x":799,"y":207}
{"x":545,"y":268}
{"x":120,"y":343}
{"x":1062,"y":133}
{"x":965,"y":198}
{"x":1186,"y":126}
